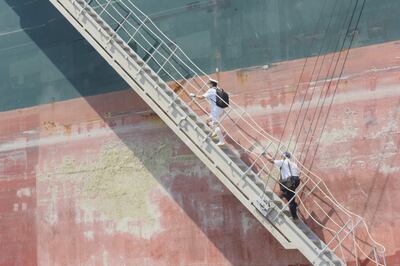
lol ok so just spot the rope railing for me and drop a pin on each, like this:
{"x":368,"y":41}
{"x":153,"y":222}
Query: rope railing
{"x":173,"y":61}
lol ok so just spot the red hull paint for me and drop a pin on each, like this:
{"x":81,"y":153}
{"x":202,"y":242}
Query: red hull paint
{"x":98,"y":181}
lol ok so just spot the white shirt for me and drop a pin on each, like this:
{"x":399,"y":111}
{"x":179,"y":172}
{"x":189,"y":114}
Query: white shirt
{"x":211,"y":96}
{"x":287,"y":171}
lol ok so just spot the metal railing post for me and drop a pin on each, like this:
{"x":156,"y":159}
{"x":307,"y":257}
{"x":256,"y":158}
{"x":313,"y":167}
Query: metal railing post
{"x":104,"y":8}
{"x":334,"y":237}
{"x":347,"y":234}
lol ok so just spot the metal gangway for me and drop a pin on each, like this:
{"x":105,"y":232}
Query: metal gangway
{"x":164,"y":77}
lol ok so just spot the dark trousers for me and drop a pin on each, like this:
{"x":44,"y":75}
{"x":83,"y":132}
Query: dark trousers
{"x":289,"y":195}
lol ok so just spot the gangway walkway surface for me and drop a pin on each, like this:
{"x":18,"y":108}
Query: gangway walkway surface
{"x":148,"y":61}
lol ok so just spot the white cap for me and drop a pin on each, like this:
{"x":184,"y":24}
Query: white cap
{"x":213,"y":81}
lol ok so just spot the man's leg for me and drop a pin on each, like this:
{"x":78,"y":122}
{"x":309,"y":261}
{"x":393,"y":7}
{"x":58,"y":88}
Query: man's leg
{"x":220,"y":136}
{"x":283,"y":190}
{"x":209,"y":121}
{"x":215,"y":114}
{"x":292,"y":203}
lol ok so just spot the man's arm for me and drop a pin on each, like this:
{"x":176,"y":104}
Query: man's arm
{"x":201,"y":97}
{"x":269,"y":158}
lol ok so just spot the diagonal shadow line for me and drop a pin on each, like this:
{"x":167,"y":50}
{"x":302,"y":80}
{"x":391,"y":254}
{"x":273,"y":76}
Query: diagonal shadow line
{"x":232,"y":252}
{"x":377,"y":178}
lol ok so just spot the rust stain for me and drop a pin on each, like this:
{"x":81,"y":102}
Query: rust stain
{"x":241,"y":77}
{"x":67,"y":130}
{"x":49,"y":125}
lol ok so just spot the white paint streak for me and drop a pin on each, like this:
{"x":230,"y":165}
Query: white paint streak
{"x":24,"y":192}
{"x":341,"y":98}
{"x":338,"y":135}
{"x":387,"y":170}
{"x":89,"y":235}
{"x":21,"y":30}
{"x":246,"y":222}
{"x":105,"y":258}
{"x":52,"y":140}
{"x":364,"y":73}
{"x":343,"y":162}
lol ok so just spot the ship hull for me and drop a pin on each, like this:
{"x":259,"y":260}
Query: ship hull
{"x":101,"y":180}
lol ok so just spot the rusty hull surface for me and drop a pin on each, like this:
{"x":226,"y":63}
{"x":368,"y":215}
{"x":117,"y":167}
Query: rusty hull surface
{"x":102,"y":181}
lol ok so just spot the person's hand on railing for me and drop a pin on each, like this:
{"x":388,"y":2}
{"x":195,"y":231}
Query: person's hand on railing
{"x":269,"y":157}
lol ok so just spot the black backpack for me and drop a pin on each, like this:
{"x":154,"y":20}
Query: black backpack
{"x":222,"y":98}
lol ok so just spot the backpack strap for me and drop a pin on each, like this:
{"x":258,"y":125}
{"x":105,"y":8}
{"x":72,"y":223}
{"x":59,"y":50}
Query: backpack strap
{"x":216,"y":94}
{"x":280,"y":169}
{"x":290,"y":168}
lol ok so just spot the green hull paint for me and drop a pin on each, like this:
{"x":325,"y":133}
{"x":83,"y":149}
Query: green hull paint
{"x":43,"y":59}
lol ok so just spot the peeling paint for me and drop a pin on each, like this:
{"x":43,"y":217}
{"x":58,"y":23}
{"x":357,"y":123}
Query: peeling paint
{"x":343,"y":162}
{"x":339,"y":135}
{"x":120,"y":183}
{"x":89,"y":235}
{"x":24,"y":192}
{"x":246,"y":222}
{"x":391,"y":126}
{"x":196,"y":170}
{"x":387,"y":170}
